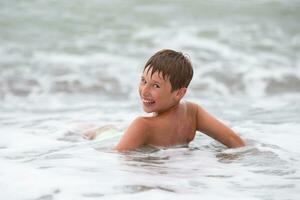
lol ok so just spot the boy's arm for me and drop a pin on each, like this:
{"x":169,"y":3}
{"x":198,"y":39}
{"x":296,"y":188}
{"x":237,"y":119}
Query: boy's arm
{"x":92,"y":133}
{"x":217,"y":130}
{"x":134,"y":137}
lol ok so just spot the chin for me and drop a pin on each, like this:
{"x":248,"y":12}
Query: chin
{"x":147,"y":110}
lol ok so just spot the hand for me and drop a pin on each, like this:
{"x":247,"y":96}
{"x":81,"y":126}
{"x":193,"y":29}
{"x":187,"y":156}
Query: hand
{"x":90,"y":134}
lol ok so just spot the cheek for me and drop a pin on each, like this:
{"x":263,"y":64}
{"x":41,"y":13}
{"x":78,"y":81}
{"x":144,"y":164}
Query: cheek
{"x":159,"y":95}
{"x":171,"y":97}
{"x":140,"y":89}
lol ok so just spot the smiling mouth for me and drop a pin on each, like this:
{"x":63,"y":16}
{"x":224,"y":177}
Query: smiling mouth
{"x":148,"y":102}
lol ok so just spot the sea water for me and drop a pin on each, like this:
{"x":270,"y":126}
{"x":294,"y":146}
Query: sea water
{"x":68,"y":66}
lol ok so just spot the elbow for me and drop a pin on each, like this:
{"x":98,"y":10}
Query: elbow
{"x":236,"y":142}
{"x":119,"y":149}
{"x":238,"y":145}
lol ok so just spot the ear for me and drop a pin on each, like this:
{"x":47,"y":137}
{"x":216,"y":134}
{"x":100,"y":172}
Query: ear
{"x":180,"y":93}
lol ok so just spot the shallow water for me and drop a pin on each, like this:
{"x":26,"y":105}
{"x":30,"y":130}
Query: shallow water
{"x":68,"y":66}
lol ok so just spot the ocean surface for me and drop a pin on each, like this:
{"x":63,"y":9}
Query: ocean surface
{"x":67,"y":66}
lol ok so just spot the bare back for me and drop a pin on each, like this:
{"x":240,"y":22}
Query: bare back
{"x":177,"y":126}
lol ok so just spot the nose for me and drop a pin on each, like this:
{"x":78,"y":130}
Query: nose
{"x":144,"y":90}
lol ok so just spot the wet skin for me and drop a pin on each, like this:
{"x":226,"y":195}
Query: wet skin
{"x":174,"y":122}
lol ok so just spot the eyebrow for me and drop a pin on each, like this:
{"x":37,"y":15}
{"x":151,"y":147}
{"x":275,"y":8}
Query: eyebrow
{"x":155,"y":81}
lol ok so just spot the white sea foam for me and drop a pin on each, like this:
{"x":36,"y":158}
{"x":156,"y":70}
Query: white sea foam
{"x":66,"y":67}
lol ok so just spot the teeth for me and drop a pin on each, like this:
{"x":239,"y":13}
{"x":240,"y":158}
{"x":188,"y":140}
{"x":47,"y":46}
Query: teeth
{"x":148,"y":101}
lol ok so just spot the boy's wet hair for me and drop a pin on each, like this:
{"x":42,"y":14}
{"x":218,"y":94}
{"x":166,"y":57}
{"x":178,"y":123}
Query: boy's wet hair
{"x":172,"y":65}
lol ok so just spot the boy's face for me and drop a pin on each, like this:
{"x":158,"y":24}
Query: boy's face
{"x":155,"y":92}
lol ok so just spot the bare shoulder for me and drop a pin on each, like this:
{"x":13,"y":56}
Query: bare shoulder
{"x":198,"y":113}
{"x":197,"y":108}
{"x":135,"y":135}
{"x":193,"y":107}
{"x":140,"y":123}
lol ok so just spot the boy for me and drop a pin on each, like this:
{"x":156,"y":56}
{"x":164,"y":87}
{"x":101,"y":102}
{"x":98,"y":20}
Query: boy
{"x":163,"y":84}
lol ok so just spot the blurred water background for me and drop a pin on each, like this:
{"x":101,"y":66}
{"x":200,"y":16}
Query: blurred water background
{"x":68,"y":65}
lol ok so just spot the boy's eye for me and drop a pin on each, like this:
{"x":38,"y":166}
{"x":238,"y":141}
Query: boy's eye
{"x":156,"y":86}
{"x":143,"y":81}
